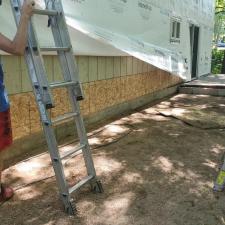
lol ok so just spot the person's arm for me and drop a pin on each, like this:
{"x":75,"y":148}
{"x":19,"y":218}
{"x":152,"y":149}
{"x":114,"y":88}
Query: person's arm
{"x":17,"y":46}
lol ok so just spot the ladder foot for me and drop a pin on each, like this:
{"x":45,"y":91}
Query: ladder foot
{"x":97,"y":187}
{"x":71,"y":208}
{"x":218,"y":188}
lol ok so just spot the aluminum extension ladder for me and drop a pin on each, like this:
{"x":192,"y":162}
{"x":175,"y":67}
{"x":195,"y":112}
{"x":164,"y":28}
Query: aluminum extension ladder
{"x":42,"y":91}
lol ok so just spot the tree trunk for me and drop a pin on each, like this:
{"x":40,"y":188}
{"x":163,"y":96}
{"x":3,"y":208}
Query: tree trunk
{"x":223,"y":64}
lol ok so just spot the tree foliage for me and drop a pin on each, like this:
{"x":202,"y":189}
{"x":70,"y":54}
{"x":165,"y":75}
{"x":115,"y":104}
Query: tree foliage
{"x":219,"y":19}
{"x":218,"y":57}
{"x":220,"y":6}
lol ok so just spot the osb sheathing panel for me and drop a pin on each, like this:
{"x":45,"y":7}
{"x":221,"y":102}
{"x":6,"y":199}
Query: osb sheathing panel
{"x":99,"y":95}
{"x":84,"y":105}
{"x":145,"y":81}
{"x":35,"y":124}
{"x":117,"y":91}
{"x":24,"y":112}
{"x":61,"y":102}
{"x":130,"y":87}
{"x":123,"y":89}
{"x":113,"y":91}
{"x":92,"y":96}
{"x":20,"y":116}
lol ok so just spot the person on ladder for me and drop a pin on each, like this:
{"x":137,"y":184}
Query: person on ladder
{"x":16,"y":47}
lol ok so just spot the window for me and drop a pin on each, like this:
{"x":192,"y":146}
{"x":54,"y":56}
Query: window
{"x":175,"y":31}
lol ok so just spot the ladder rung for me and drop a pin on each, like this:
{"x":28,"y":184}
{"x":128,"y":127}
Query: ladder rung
{"x":81,"y":183}
{"x":64,"y":117}
{"x":71,"y":152}
{"x":62,"y":84}
{"x":55,"y":49}
{"x":45,"y":12}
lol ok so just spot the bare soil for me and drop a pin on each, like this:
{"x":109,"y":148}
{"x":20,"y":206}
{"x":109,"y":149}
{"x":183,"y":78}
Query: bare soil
{"x":157,"y":166}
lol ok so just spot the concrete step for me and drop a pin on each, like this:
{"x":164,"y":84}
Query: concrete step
{"x":203,"y":90}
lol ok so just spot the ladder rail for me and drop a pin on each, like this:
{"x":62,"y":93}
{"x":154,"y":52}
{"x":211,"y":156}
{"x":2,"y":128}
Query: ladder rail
{"x":57,"y":164}
{"x":40,"y":70}
{"x":33,"y":60}
{"x":83,"y":137}
{"x":46,"y":124}
{"x":43,"y":96}
{"x":61,"y":36}
{"x":73,"y":71}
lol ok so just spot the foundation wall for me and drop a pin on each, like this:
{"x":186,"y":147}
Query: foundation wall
{"x":107,"y":82}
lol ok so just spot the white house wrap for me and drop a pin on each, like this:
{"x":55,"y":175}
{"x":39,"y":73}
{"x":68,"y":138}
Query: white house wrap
{"x":173,"y":35}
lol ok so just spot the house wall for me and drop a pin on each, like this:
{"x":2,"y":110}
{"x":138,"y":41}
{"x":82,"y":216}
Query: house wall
{"x":112,"y":85}
{"x":107,"y":82}
{"x":141,"y":28}
{"x":145,"y":28}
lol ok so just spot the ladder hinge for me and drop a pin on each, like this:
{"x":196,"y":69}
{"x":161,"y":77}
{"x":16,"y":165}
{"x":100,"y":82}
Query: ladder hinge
{"x":49,"y":106}
{"x":46,"y":123}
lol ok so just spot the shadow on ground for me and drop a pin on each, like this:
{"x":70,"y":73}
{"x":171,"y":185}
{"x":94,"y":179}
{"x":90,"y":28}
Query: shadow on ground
{"x":156,"y":170}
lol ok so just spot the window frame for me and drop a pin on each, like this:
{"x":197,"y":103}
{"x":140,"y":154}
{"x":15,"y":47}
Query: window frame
{"x":175,"y":30}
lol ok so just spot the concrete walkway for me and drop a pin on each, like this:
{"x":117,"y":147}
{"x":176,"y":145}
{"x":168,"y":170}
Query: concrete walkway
{"x":206,"y":85}
{"x":211,"y":80}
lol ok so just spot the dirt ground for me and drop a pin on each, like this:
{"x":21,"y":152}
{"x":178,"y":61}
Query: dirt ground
{"x":157,"y":166}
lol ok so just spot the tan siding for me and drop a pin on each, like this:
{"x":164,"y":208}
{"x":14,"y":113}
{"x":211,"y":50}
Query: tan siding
{"x":93,"y":68}
{"x":101,"y":68}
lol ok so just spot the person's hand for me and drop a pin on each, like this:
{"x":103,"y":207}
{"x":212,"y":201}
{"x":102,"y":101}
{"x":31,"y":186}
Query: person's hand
{"x":27,"y":8}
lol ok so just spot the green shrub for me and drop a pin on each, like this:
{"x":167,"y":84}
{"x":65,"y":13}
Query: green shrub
{"x":217,"y":59}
